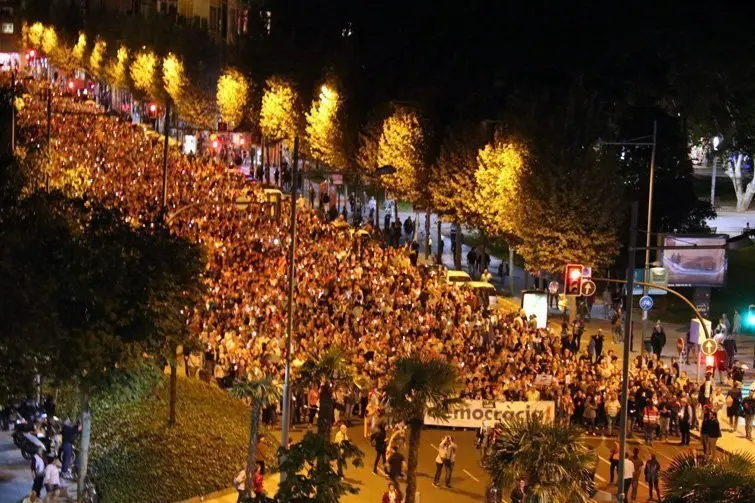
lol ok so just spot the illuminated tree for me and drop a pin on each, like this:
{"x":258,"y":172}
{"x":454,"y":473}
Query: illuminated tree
{"x":569,"y":215}
{"x":79,"y":48}
{"x":34,"y":35}
{"x":279,"y":112}
{"x":402,"y":145}
{"x":117,"y":70}
{"x":453,"y":186}
{"x":49,"y":40}
{"x":95,"y":59}
{"x":232,"y":96}
{"x":143,"y":73}
{"x":174,"y":80}
{"x":500,"y":167}
{"x":367,"y":151}
{"x":323,"y":128}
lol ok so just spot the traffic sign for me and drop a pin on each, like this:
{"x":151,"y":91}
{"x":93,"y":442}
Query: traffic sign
{"x":709,"y":347}
{"x":553,"y":287}
{"x":588,"y":288}
{"x":646,"y":303}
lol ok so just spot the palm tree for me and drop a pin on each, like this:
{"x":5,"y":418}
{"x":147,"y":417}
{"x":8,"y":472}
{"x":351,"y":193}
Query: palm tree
{"x":552,"y":460}
{"x":325,"y":372}
{"x":309,"y":474}
{"x":726,"y":478}
{"x":262,"y":393}
{"x":419,"y":386}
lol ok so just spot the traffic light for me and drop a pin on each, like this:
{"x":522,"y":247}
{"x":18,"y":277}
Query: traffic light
{"x":710,"y":361}
{"x":573,"y":279}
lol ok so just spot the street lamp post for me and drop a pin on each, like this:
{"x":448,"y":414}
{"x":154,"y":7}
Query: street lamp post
{"x":286,"y":413}
{"x":625,"y":363}
{"x":636,"y":143}
{"x":716,"y":142}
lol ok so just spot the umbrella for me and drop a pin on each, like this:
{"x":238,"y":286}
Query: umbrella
{"x":34,"y":440}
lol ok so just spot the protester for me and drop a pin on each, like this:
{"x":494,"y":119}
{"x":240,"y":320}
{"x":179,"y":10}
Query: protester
{"x":52,"y":476}
{"x":517,"y":494}
{"x":628,"y":475}
{"x":341,"y":439}
{"x":637,"y":473}
{"x":392,"y":495}
{"x":652,"y":477}
{"x":395,"y":466}
{"x":239,"y":482}
{"x":38,"y":471}
{"x":378,"y":441}
{"x":748,"y":410}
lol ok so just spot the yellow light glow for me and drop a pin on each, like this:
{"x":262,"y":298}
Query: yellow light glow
{"x":232,"y":92}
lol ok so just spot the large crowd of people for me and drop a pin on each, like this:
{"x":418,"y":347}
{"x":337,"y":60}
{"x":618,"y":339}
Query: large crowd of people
{"x":354,"y":293}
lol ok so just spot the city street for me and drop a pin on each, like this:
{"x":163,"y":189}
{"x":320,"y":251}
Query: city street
{"x":469,"y":479}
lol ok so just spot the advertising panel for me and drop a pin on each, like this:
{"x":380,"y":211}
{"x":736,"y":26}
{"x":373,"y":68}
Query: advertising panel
{"x":536,"y":303}
{"x":474,"y":412}
{"x":690,"y":266}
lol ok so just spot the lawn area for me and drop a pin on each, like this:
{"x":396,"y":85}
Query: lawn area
{"x":137,"y":457}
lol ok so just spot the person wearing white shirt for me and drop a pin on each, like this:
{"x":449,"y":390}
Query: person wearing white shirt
{"x":38,"y":472}
{"x":628,"y":474}
{"x":52,"y":476}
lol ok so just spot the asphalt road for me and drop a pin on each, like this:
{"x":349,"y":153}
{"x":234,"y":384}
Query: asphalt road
{"x":15,"y":476}
{"x":469,"y":479}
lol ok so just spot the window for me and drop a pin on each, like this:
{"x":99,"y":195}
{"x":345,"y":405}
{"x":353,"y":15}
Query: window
{"x":7,"y":28}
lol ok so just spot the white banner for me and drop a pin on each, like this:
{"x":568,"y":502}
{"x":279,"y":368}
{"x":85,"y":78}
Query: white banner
{"x":474,"y":412}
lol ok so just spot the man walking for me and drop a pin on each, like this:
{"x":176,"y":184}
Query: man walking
{"x":652,"y":475}
{"x":686,"y":420}
{"x":395,"y":466}
{"x":638,"y":463}
{"x":377,"y":439}
{"x":628,"y":475}
{"x":650,"y":422}
{"x":748,"y":406}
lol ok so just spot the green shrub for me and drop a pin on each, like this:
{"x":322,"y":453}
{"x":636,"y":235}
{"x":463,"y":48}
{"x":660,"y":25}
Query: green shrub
{"x":137,"y":457}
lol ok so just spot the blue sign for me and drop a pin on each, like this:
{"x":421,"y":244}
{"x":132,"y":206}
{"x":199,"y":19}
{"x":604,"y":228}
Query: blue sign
{"x":646,"y":303}
{"x":657,"y":277}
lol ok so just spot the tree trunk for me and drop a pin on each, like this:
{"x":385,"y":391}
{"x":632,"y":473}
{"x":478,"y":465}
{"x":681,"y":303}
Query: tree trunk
{"x":427,"y":234}
{"x":511,"y":269}
{"x":483,"y":262}
{"x":438,"y":244}
{"x":395,"y":209}
{"x":86,"y":430}
{"x":415,"y":430}
{"x":254,"y":428}
{"x":457,"y":251}
{"x":173,"y":395}
{"x":325,"y":417}
{"x":743,"y":193}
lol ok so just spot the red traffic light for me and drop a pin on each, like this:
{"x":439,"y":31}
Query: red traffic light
{"x":215,"y":144}
{"x":71,"y":85}
{"x":710,"y":361}
{"x":152,"y":108}
{"x":573,"y":279}
{"x":32,"y":53}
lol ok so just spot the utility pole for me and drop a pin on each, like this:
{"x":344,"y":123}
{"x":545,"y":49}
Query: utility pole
{"x":636,"y":143}
{"x":49,"y":147}
{"x":286,"y":415}
{"x":627,"y":347}
{"x":164,"y":196}
{"x":12,"y":111}
{"x":647,"y":239}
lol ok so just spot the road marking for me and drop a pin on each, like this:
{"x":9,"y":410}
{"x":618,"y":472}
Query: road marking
{"x":472,"y":476}
{"x":600,"y":478}
{"x":617,"y":471}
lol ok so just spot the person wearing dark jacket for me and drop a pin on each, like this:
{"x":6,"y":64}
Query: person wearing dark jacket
{"x":658,"y":339}
{"x":686,"y":420}
{"x":711,"y":431}
{"x":378,"y":441}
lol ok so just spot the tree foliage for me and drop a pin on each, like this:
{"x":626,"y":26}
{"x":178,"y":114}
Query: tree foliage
{"x":309,"y":473}
{"x":232,"y":96}
{"x":117,"y":70}
{"x":569,"y":215}
{"x":556,"y":464}
{"x":174,"y":78}
{"x":279,"y":113}
{"x":402,"y":145}
{"x":727,"y":478}
{"x":420,"y":385}
{"x":96,"y":58}
{"x":501,"y":166}
{"x":78,"y":49}
{"x":323,"y":128}
{"x":143,"y":72}
{"x":325,"y":372}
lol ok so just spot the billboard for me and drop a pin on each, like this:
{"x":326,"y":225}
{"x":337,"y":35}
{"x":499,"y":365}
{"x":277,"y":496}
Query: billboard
{"x":536,"y":302}
{"x":658,"y":276}
{"x":691,"y":266}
